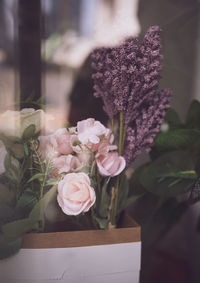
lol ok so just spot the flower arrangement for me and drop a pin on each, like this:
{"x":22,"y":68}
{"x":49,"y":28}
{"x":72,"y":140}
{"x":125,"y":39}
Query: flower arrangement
{"x":84,"y":167}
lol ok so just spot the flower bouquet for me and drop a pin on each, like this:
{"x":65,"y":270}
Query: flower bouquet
{"x":78,"y":175}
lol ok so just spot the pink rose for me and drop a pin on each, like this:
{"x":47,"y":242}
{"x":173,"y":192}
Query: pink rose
{"x":66,"y":163}
{"x":55,"y":144}
{"x":62,"y":139}
{"x":75,"y":195}
{"x":89,"y":131}
{"x":105,"y":145}
{"x":110,"y":164}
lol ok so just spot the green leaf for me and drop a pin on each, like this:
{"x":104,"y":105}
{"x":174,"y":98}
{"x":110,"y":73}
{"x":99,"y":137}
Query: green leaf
{"x":162,"y":177}
{"x":123,"y":193}
{"x":38,"y":176}
{"x":11,"y":164}
{"x":10,"y":177}
{"x":52,"y":182}
{"x":29,"y":132}
{"x":17,"y":228}
{"x":37,"y":213}
{"x":130,"y":200}
{"x":9,"y":248}
{"x":27,"y":200}
{"x":176,"y":139}
{"x":26,"y":149}
{"x":7,"y":162}
{"x":105,"y":199}
{"x":103,"y":223}
{"x":7,"y":196}
{"x":135,"y":186}
{"x":17,"y":150}
{"x":6,"y":212}
{"x":193,"y":115}
{"x":172,"y":119}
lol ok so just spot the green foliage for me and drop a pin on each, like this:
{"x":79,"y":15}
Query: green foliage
{"x":27,"y":201}
{"x":126,"y":196}
{"x":22,"y":199}
{"x":193,"y":116}
{"x":169,"y":175}
{"x":7,"y":195}
{"x":172,"y":119}
{"x":176,"y":139}
{"x":6,"y":212}
{"x":17,"y":228}
{"x":29,"y":132}
{"x":104,"y":203}
{"x":184,"y":136}
{"x":102,"y":222}
{"x":103,"y":199}
{"x":37,"y":214}
{"x":172,"y":172}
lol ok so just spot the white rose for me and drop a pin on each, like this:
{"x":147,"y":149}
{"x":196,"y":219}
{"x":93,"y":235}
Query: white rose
{"x":13,"y":123}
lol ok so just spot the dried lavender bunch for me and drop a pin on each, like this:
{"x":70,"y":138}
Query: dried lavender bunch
{"x":127,"y":78}
{"x":142,"y":131}
{"x":102,"y":63}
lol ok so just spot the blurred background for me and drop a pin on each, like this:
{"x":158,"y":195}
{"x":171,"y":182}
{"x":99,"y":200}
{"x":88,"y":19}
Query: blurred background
{"x":44,"y":58}
{"x":53,"y":39}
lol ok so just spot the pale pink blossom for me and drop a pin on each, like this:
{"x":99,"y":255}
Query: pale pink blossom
{"x":110,"y":164}
{"x":65,"y":163}
{"x":90,"y":131}
{"x":75,"y":194}
{"x":53,"y":145}
{"x":85,"y":157}
{"x":63,"y":141}
{"x":47,"y":148}
{"x":105,"y":145}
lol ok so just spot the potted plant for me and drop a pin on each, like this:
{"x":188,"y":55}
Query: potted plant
{"x":75,"y":178}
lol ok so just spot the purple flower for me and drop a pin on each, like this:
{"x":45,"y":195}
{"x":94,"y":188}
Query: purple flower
{"x":127,"y":77}
{"x":142,"y":131}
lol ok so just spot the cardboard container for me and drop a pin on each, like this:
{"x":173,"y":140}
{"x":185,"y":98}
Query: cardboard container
{"x":80,"y":256}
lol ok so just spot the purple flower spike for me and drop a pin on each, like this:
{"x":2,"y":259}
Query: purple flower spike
{"x":127,"y":77}
{"x":142,"y":131}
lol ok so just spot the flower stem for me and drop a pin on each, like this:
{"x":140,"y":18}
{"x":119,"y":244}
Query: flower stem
{"x":44,"y":179}
{"x":120,"y":150}
{"x":115,"y":203}
{"x":124,"y":136}
{"x":121,"y":129}
{"x":99,"y":182}
{"x":112,"y":125}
